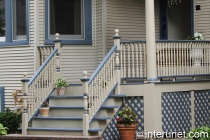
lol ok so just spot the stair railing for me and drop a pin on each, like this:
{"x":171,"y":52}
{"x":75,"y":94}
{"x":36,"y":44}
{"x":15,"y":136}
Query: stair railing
{"x":104,"y":80}
{"x":41,"y":85}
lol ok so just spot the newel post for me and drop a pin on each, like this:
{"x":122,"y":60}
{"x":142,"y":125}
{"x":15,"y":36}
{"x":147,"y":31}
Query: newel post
{"x":25,"y":114}
{"x":57,"y":42}
{"x":117,"y":62}
{"x":85,"y":114}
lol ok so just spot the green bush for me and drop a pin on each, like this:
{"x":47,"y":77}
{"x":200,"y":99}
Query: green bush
{"x":200,"y":133}
{"x":3,"y":130}
{"x":10,"y":120}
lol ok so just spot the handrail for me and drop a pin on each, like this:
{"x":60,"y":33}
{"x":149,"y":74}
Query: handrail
{"x":139,"y":41}
{"x":102,"y":63}
{"x":42,"y":66}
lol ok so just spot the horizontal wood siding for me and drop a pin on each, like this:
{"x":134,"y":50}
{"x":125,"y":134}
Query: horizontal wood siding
{"x":75,"y":60}
{"x":202,"y":18}
{"x":129,"y":18}
{"x":14,"y":61}
{"x":99,"y":45}
{"x":41,"y":22}
{"x":179,"y":23}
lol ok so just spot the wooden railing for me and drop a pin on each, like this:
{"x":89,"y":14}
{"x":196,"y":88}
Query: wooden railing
{"x":45,"y":51}
{"x":133,"y":59}
{"x":183,"y":58}
{"x":41,"y":85}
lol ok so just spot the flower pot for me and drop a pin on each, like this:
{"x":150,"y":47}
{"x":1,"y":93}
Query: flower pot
{"x":44,"y":111}
{"x":126,"y":132}
{"x":60,"y":91}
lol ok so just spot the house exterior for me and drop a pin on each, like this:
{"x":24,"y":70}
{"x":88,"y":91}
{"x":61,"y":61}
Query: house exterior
{"x":86,"y":28}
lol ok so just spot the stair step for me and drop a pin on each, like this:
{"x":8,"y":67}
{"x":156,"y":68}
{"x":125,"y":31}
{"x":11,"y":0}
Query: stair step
{"x":109,"y":107}
{"x":101,"y":118}
{"x":65,"y":97}
{"x":57,"y":118}
{"x":65,"y":129}
{"x":117,"y":95}
{"x":69,"y":118}
{"x":80,"y":107}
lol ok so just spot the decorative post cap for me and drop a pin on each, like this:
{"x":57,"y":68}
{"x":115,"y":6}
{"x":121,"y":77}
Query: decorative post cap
{"x":57,"y":36}
{"x":25,"y":75}
{"x":85,"y":74}
{"x":116,"y":32}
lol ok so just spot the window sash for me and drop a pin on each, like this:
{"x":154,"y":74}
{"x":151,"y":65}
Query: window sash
{"x":68,"y":37}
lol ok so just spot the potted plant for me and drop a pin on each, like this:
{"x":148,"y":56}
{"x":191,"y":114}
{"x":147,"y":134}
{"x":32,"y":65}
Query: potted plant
{"x":44,"y":109}
{"x":60,"y":85}
{"x":126,"y":123}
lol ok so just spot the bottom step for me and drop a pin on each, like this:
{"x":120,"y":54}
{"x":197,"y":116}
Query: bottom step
{"x":62,"y":131}
{"x":47,"y":137}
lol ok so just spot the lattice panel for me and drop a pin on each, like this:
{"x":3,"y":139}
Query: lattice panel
{"x":202,"y":107}
{"x":176,"y":112}
{"x":137,"y":105}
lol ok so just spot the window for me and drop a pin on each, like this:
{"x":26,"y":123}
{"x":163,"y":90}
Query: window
{"x":2,"y":21}
{"x":71,"y":19}
{"x":13,"y":22}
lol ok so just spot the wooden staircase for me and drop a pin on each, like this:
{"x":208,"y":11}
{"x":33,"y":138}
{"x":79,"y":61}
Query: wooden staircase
{"x":65,"y":116}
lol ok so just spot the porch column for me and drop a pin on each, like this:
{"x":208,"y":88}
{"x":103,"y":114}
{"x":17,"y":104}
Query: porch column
{"x":150,"y":41}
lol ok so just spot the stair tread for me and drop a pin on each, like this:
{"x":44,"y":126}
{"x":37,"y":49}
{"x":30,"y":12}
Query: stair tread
{"x":64,"y":97}
{"x":109,"y":107}
{"x":65,"y":129}
{"x":57,"y":118}
{"x":80,"y":107}
{"x":117,"y":95}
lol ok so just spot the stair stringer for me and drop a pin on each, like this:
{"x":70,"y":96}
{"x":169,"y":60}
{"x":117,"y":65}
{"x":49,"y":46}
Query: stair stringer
{"x":113,"y":104}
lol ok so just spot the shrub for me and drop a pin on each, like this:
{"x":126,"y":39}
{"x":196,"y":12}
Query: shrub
{"x":3,"y":130}
{"x":10,"y":120}
{"x":200,"y":133}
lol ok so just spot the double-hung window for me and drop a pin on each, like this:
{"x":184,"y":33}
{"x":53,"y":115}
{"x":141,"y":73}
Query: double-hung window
{"x":13,"y":22}
{"x":71,"y":19}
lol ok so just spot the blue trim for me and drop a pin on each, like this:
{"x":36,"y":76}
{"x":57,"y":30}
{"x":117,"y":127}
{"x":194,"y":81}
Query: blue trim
{"x":84,"y":79}
{"x":116,"y":37}
{"x":87,"y":26}
{"x":8,"y":23}
{"x":90,"y":130}
{"x":42,"y":66}
{"x":102,"y":63}
{"x":25,"y":80}
{"x":104,"y":101}
{"x":1,"y":99}
{"x":133,"y":41}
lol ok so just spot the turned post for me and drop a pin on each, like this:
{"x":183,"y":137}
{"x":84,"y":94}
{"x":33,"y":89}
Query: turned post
{"x":117,"y":62}
{"x":85,"y":114}
{"x":58,"y":65}
{"x":25,"y":94}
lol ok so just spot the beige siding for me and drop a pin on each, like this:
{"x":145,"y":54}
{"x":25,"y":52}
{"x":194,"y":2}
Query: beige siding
{"x":202,"y":18}
{"x":129,"y":18}
{"x":14,"y":61}
{"x":99,"y":45}
{"x":75,"y":60}
{"x":179,"y":23}
{"x":41,"y":22}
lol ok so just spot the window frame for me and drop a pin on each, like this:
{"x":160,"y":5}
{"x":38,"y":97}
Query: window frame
{"x":87,"y":25}
{"x":9,"y":26}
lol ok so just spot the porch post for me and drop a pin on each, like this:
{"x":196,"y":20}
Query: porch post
{"x":150,"y":41}
{"x":57,"y":42}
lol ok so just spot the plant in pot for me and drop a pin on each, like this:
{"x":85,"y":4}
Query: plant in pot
{"x":126,"y":123}
{"x":44,"y":109}
{"x":60,"y":85}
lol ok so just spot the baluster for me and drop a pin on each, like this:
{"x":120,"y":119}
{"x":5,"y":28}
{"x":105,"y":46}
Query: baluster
{"x":169,"y":58}
{"x":137,"y":60}
{"x":99,"y":87}
{"x":121,"y":61}
{"x":124,"y":55}
{"x":132,"y":61}
{"x":129,"y":61}
{"x":158,"y":58}
{"x":95,"y":107}
{"x":92,"y":100}
{"x":141,"y":60}
{"x":145,"y":60}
